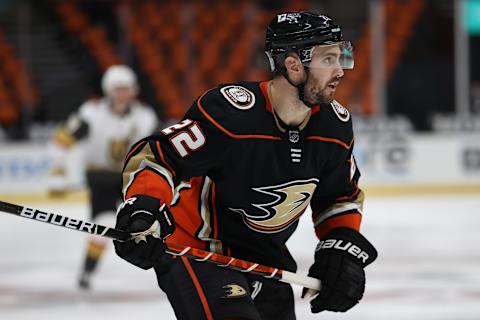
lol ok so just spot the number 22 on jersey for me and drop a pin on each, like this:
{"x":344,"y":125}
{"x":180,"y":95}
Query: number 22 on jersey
{"x":187,"y":137}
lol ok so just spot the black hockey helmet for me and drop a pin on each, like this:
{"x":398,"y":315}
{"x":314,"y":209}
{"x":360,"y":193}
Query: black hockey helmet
{"x":300,"y":32}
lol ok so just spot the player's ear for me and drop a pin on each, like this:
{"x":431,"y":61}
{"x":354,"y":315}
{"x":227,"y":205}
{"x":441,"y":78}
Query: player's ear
{"x":294,"y":68}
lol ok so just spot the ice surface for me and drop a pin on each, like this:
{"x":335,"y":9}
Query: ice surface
{"x":428,"y":266}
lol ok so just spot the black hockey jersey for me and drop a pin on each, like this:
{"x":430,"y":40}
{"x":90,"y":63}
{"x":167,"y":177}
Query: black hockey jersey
{"x":237,"y":179}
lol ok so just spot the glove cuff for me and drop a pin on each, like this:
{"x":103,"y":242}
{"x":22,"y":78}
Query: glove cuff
{"x":348,"y":242}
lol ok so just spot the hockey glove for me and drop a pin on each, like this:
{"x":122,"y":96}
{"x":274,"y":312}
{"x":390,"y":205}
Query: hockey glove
{"x":339,"y":262}
{"x":150,"y":223}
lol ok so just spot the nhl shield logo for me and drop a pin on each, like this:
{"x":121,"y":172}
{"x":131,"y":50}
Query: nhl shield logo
{"x":293,"y":136}
{"x":239,"y":97}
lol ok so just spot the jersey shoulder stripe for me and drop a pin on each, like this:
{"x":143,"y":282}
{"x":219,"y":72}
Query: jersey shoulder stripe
{"x":345,"y":145}
{"x":238,"y":110}
{"x":332,"y":123}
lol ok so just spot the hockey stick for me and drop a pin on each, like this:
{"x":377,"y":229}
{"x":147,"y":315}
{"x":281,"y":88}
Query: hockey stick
{"x":172,"y":248}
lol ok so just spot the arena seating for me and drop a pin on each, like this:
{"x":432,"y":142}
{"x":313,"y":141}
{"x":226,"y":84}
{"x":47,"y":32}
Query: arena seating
{"x":93,"y":37}
{"x":16,"y":88}
{"x":400,"y":19}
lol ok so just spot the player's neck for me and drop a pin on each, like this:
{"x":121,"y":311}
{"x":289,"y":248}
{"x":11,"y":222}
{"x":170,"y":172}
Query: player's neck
{"x":285,"y":102}
{"x":120,"y":109}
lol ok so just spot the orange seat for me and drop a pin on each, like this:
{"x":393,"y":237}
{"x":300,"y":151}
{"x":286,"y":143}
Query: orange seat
{"x":146,"y":8}
{"x":75,"y":23}
{"x":65,"y":7}
{"x":8,"y":114}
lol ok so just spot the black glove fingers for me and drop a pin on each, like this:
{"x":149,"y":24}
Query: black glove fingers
{"x":154,"y":249}
{"x":137,"y":214}
{"x":140,"y":224}
{"x":334,"y":300}
{"x":142,"y":254}
{"x":353,"y":276}
{"x":321,"y":302}
{"x":127,"y":251}
{"x":350,"y":289}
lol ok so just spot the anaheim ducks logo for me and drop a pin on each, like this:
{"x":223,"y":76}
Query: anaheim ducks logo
{"x":290,"y":201}
{"x":234,"y":290}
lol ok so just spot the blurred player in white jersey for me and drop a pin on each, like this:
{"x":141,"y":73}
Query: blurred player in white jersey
{"x":106,"y":127}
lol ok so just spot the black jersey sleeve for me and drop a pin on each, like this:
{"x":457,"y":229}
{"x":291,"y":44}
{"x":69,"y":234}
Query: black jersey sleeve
{"x":337,"y":202}
{"x":157,"y":165}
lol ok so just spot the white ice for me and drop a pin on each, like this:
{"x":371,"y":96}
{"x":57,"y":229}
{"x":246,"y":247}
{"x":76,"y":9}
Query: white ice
{"x":428,"y":266}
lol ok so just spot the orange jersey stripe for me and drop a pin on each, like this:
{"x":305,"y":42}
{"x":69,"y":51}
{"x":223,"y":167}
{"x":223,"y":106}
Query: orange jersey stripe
{"x":201,"y":294}
{"x":230,"y":134}
{"x":263,"y":87}
{"x":343,"y":144}
{"x":152,"y":184}
{"x":187,"y":216}
{"x":351,"y":220}
{"x":315,"y":109}
{"x":133,"y":150}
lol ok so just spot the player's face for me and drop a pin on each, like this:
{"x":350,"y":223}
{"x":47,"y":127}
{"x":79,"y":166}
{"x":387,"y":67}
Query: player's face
{"x":122,"y":97}
{"x":325,"y":73}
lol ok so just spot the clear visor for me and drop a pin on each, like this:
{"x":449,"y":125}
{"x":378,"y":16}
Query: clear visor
{"x":338,"y":55}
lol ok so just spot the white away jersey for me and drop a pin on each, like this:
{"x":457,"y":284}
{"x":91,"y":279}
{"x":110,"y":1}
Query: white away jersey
{"x":106,"y":136}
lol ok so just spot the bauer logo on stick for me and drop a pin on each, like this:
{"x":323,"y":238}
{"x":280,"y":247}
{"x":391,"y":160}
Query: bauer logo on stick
{"x":232,"y":290}
{"x":63,"y":221}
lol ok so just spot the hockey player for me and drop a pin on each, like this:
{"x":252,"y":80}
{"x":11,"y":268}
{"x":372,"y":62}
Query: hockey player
{"x":108,"y":127}
{"x":239,"y":170}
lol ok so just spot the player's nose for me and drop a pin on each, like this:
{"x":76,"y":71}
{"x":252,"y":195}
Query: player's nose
{"x":338,"y":71}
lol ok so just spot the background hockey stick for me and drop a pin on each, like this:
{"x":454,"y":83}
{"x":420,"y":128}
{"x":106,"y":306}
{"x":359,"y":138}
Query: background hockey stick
{"x":172,"y":248}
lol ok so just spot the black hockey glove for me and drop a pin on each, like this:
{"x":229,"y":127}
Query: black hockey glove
{"x":339,"y":262}
{"x":150,"y":223}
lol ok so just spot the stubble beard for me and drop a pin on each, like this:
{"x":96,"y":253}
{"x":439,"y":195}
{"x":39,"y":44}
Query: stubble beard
{"x":316,"y":95}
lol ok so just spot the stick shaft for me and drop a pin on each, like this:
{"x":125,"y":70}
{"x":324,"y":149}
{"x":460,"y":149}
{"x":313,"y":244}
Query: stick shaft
{"x":172,"y":248}
{"x":244,"y":266}
{"x":62,"y":221}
